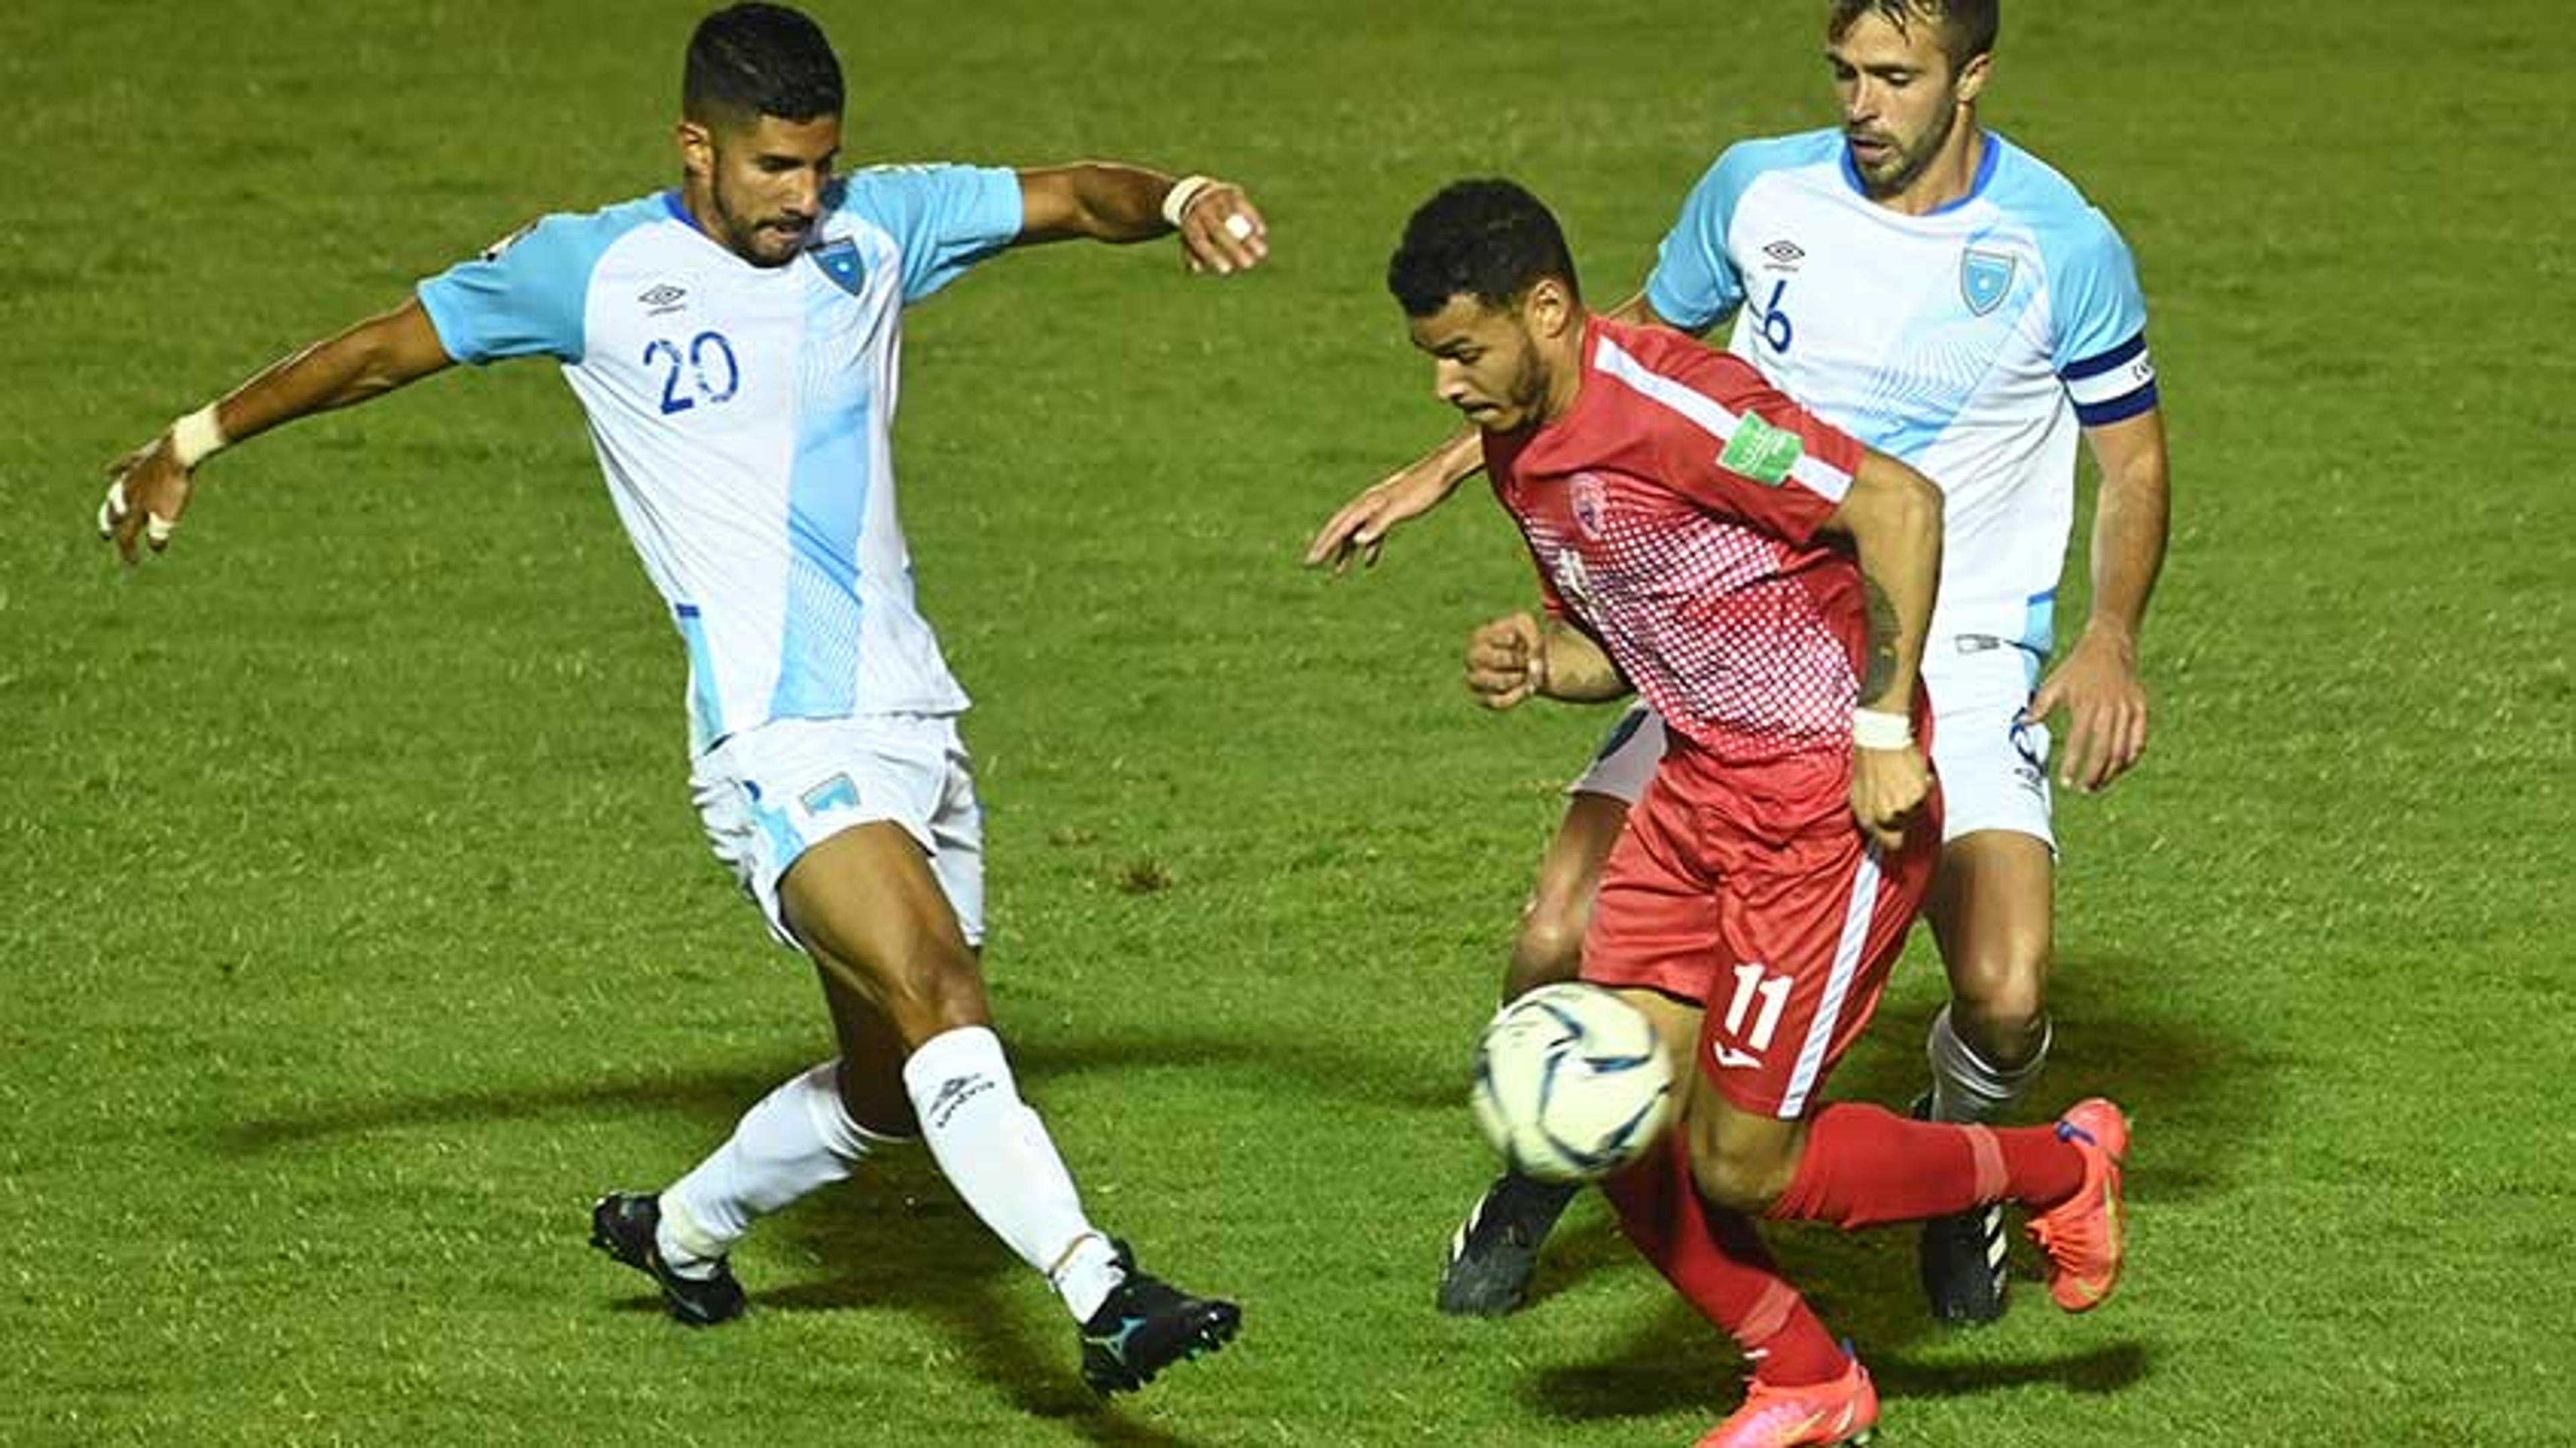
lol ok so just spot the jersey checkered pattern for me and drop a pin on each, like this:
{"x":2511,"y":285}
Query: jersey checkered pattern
{"x":1707,"y":586}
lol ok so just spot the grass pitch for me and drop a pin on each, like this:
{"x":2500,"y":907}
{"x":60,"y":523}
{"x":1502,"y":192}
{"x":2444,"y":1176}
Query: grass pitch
{"x":357,"y":930}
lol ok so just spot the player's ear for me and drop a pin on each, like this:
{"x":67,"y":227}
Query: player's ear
{"x":1549,"y":310}
{"x":697,"y":150}
{"x":1972,"y":77}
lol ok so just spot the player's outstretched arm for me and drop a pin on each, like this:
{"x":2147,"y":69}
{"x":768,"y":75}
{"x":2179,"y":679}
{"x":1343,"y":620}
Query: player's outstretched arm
{"x":2097,"y":682}
{"x":1359,"y":529}
{"x":1105,"y":201}
{"x":149,"y":487}
{"x":1892,"y":514}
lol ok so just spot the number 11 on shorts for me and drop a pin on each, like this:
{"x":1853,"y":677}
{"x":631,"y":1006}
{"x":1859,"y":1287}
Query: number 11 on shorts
{"x":1752,"y":983}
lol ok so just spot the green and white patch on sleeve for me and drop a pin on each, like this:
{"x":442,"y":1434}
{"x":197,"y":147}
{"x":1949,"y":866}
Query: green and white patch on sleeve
{"x":1759,"y":451}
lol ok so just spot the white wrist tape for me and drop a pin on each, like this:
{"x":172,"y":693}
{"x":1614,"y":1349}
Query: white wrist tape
{"x":1177,"y":201}
{"x":197,"y":437}
{"x":1878,"y":729}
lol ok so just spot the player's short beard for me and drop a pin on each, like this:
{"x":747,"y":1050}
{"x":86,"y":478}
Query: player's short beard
{"x":1916,"y":157}
{"x":744,"y":234}
{"x":1528,"y":392}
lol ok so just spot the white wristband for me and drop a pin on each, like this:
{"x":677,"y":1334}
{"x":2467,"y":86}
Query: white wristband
{"x":1184,"y":192}
{"x":196,"y":437}
{"x":1878,"y":729}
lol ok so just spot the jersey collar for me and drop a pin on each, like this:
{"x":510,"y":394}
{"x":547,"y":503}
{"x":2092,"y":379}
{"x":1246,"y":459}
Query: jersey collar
{"x":1976,"y":186}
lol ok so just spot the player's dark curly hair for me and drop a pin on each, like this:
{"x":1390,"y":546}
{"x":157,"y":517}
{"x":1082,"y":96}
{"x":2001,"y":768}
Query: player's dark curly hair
{"x":748,"y":61}
{"x":1490,"y":240}
{"x":1968,"y":27}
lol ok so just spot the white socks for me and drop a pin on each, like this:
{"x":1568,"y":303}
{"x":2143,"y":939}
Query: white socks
{"x":995,"y":1152}
{"x":1967,"y":1090}
{"x":796,"y":1139}
{"x":992,"y":1147}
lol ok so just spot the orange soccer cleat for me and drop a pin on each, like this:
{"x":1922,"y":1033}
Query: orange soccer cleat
{"x":1842,"y":1410}
{"x":2082,"y":1235}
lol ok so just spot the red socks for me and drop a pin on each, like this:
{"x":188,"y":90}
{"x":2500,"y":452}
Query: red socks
{"x":1716,"y":1260}
{"x":1865,"y":1166}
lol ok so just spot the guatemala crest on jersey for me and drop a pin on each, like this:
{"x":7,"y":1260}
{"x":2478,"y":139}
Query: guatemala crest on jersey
{"x":1985,"y":279}
{"x":1591,"y":503}
{"x":840,"y":261}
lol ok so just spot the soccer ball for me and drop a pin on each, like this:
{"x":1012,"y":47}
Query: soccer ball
{"x":1571,"y":1083}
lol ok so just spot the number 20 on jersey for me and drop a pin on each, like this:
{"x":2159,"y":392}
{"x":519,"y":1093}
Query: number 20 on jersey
{"x":704,"y":372}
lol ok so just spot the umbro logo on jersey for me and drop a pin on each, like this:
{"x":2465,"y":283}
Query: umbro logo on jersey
{"x":662,"y":298}
{"x":1730,"y":1059}
{"x":1785,"y":253}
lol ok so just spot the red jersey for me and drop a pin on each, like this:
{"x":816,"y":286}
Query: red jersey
{"x":1673,"y":514}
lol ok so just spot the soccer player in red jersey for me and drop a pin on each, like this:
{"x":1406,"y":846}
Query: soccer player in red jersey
{"x":1764,"y":582}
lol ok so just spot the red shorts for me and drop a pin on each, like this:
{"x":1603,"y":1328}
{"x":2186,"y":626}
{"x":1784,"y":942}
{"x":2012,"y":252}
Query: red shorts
{"x":1754,"y":893}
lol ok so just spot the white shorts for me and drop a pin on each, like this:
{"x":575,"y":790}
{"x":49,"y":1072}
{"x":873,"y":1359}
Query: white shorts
{"x":769,"y":794}
{"x":1993,"y":765}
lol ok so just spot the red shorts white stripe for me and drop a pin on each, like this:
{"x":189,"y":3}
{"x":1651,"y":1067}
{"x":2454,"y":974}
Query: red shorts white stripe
{"x":1781,"y":921}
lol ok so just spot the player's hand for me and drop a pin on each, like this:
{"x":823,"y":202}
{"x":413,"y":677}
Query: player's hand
{"x":2106,"y":707}
{"x":1888,"y":788}
{"x":1506,"y":661}
{"x":147,"y":490}
{"x":1222,"y":232}
{"x":1359,"y":530}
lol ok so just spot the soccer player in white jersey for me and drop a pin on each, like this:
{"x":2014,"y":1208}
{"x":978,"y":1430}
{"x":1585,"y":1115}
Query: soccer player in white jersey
{"x":1947,"y":298}
{"x":734,"y":342}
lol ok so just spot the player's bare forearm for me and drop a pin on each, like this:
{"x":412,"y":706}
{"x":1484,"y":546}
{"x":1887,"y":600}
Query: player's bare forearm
{"x":1578,"y":670}
{"x":1095,"y":200}
{"x":1892,"y":514}
{"x":368,"y":360}
{"x":2130,"y":522}
{"x":1359,"y":527}
{"x":148,"y":489}
{"x":2097,"y":684}
{"x":1638,"y":312}
{"x":1113,"y":202}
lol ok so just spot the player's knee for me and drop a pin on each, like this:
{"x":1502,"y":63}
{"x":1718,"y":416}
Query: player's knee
{"x":931,"y":992}
{"x":1739,"y":1176}
{"x":1549,"y":947}
{"x":2007,"y":1034}
{"x":1999,"y":1003}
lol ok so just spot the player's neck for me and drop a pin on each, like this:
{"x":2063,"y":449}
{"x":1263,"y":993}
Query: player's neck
{"x":1951,"y":175}
{"x":1565,"y":370}
{"x":698,"y":199}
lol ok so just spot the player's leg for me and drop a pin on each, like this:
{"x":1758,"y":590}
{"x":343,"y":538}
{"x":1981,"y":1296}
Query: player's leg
{"x":873,"y":915}
{"x":1494,"y":1252}
{"x":1991,"y":911}
{"x":1655,"y":934}
{"x":816,"y":1128}
{"x":862,"y":843}
{"x":1819,"y":925}
{"x":762,"y":796}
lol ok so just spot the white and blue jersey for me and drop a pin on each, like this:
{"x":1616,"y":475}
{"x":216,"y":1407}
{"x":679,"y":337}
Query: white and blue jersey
{"x":742,"y":416}
{"x":1974,"y":343}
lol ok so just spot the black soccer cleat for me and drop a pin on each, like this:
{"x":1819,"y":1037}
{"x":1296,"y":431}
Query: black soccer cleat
{"x":1495,"y":1251}
{"x":1145,"y":1325}
{"x":622,"y":1225}
{"x":1963,"y":1259}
